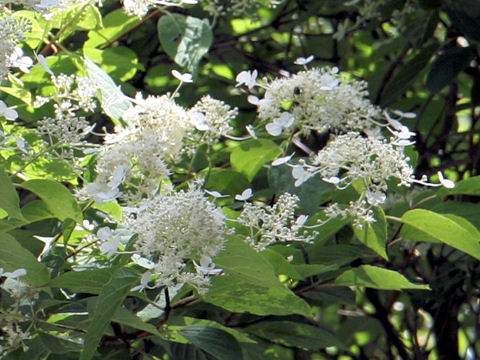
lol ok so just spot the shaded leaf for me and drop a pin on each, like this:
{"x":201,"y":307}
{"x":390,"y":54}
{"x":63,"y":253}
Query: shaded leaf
{"x":9,"y":200}
{"x":13,"y":256}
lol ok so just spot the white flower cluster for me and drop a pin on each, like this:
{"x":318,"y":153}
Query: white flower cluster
{"x":12,"y":333}
{"x":135,"y":157}
{"x":274,"y":224}
{"x":314,"y":100}
{"x":73,"y":94}
{"x":351,"y":157}
{"x":319,"y":101}
{"x":211,"y":119}
{"x":141,"y":7}
{"x":11,"y":33}
{"x":175,"y":232}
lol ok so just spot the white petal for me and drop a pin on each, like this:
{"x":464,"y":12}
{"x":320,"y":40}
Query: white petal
{"x":273,"y":129}
{"x":304,"y":61}
{"x":282,"y":160}
{"x":246,"y":194}
{"x":187,"y":78}
{"x":15,"y":274}
{"x":43,"y":62}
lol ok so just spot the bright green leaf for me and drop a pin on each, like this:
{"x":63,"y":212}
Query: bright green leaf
{"x":249,"y":157}
{"x":374,"y":235}
{"x":9,"y":200}
{"x":376,"y":278}
{"x":448,"y":229}
{"x":13,"y":256}
{"x":58,"y":198}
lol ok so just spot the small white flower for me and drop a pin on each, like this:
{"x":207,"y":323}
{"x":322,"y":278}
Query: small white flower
{"x":300,"y":175}
{"x":206,"y":266}
{"x":102,"y":193}
{"x":198,"y":120}
{"x":143,"y":282}
{"x":8,"y":113}
{"x":21,"y":144}
{"x":375,"y":197}
{"x":18,"y":60}
{"x":304,"y":61}
{"x":252,"y":99}
{"x":332,"y":180}
{"x":43,"y":62}
{"x":246,"y":194}
{"x":216,"y":194}
{"x":187,"y":78}
{"x":276,"y":127}
{"x":406,"y":115}
{"x":143,"y":262}
{"x":449,"y":184}
{"x":282,"y":160}
{"x":248,"y":78}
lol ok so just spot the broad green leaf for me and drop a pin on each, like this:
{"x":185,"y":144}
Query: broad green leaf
{"x":13,"y":256}
{"x":79,"y":17}
{"x":9,"y":200}
{"x":109,"y":301}
{"x":19,"y":93}
{"x":407,"y":74}
{"x":119,"y":62}
{"x":374,"y":235}
{"x":447,"y":66}
{"x":214,"y":341}
{"x":250,"y":284}
{"x":376,"y":278}
{"x":185,"y":39}
{"x":250,"y":156}
{"x":113,"y":101}
{"x":307,"y":270}
{"x":281,"y":265}
{"x":448,"y":229}
{"x":227,"y":181}
{"x":37,"y":210}
{"x":115,"y":24}
{"x":87,"y":281}
{"x":295,"y":334}
{"x":57,"y":197}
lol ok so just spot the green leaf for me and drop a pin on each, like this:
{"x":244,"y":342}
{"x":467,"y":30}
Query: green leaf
{"x":87,"y":281}
{"x":447,"y":66}
{"x":448,"y":229}
{"x":250,"y":156}
{"x":185,"y":39}
{"x":109,"y":301}
{"x":113,"y":101}
{"x":281,"y":265}
{"x":470,"y":186}
{"x":57,"y":197}
{"x":250,"y":284}
{"x":374,"y":235}
{"x":13,"y":256}
{"x":60,"y":345}
{"x":376,"y":278}
{"x":289,"y":333}
{"x":115,"y":24}
{"x":407,"y":75}
{"x":119,"y":62}
{"x":214,"y":341}
{"x":126,"y":317}
{"x":9,"y":200}
{"x":226,"y":181}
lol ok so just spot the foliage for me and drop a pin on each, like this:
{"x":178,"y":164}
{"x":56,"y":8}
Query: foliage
{"x":239,"y":179}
